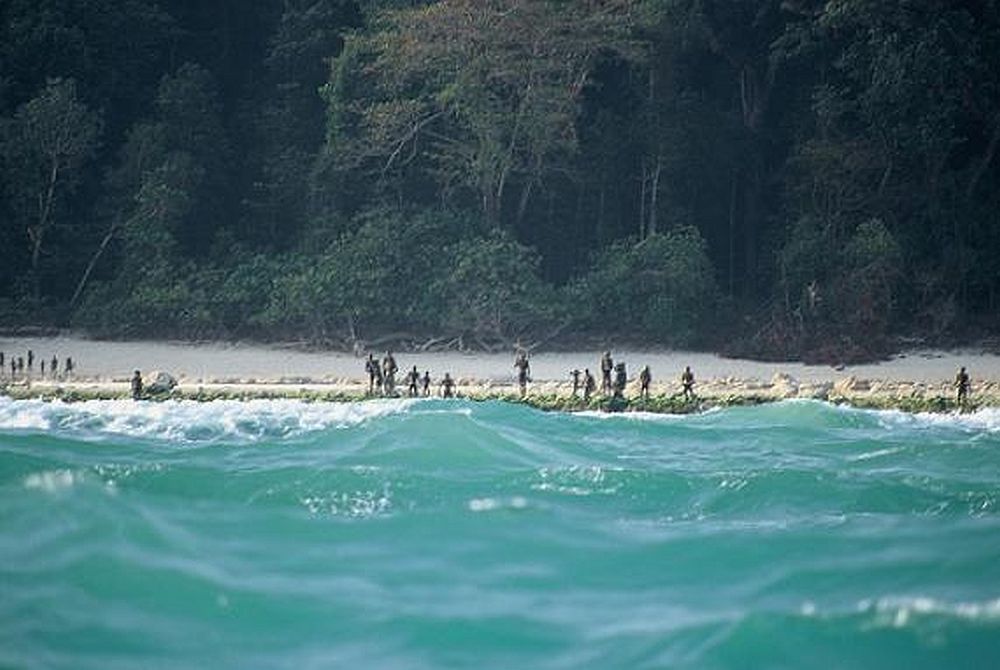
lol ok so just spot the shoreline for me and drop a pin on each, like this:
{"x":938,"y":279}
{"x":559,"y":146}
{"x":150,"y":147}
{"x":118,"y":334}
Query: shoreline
{"x":551,"y":396}
{"x":915,"y":380}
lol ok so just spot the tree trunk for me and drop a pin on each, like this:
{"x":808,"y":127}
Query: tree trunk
{"x":37,"y":234}
{"x":653,"y":197}
{"x":92,"y":264}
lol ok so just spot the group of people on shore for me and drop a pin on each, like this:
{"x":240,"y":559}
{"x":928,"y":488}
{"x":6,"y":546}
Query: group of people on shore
{"x":22,"y":368}
{"x":614,"y":379}
{"x":382,"y":379}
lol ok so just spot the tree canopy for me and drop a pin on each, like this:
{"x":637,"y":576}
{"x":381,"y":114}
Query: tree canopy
{"x":778,"y":178}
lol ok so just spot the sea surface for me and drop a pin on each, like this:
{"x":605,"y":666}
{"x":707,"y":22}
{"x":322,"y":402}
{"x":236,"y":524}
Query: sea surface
{"x":448,"y":534}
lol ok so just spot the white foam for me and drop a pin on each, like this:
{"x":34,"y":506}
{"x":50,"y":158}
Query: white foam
{"x":493,"y":504}
{"x":191,"y":421}
{"x":51,"y":481}
{"x":986,"y":419}
{"x":898,"y":611}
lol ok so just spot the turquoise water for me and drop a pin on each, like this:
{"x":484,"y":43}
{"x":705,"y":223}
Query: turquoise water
{"x":435,"y":534}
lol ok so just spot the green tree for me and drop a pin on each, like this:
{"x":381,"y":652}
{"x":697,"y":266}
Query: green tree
{"x":481,"y":93}
{"x":48,"y":143}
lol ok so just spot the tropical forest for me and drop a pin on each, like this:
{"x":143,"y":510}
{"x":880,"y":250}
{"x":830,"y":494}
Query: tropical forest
{"x":780,"y":179}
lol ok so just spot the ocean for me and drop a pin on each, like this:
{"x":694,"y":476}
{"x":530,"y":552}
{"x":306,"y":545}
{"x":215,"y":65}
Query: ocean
{"x":449,"y":534}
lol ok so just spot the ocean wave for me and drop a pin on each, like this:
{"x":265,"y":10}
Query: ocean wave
{"x":986,"y":419}
{"x":902,"y":611}
{"x":190,"y":421}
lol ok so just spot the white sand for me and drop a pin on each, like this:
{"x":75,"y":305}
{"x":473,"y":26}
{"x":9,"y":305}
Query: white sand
{"x":196,"y":363}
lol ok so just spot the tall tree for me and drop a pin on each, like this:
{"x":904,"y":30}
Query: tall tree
{"x":48,"y":143}
{"x":479,"y":94}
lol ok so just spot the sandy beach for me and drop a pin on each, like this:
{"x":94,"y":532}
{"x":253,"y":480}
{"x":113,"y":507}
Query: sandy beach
{"x":253,"y":367}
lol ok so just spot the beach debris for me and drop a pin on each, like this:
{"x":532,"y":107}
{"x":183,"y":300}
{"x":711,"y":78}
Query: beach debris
{"x":159,"y":381}
{"x":784,"y":385}
{"x":851,"y":384}
{"x":820,"y":391}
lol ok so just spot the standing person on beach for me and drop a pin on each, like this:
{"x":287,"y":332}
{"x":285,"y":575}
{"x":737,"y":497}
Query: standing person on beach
{"x":447,"y":386}
{"x":20,"y":365}
{"x":645,"y":377}
{"x":54,"y":368}
{"x":621,"y":379}
{"x":575,"y":374}
{"x":589,"y":384}
{"x":136,"y":385}
{"x":68,"y":367}
{"x":374,"y":371}
{"x":389,"y":369}
{"x":427,"y":383}
{"x":607,"y":365}
{"x":413,"y":378}
{"x":687,"y":383}
{"x":523,"y":370}
{"x":1,"y":363}
{"x":31,"y":360}
{"x":13,"y":369}
{"x":962,"y":385}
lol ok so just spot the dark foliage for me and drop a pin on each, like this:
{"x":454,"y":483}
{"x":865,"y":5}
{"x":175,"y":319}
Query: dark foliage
{"x":779,"y":178}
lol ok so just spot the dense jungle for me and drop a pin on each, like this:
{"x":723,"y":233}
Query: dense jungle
{"x":779,"y":179}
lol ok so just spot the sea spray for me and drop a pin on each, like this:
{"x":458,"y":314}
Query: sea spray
{"x":429,"y":534}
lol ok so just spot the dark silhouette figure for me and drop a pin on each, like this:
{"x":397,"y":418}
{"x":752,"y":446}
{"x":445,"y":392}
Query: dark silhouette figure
{"x":962,"y":385}
{"x":687,"y":383}
{"x":13,"y":369}
{"x":136,"y":385}
{"x":523,"y":371}
{"x":413,"y":378}
{"x":575,"y":374}
{"x":645,"y":377}
{"x":607,"y":365}
{"x":20,"y":365}
{"x":589,"y":385}
{"x":68,"y":368}
{"x":621,"y":379}
{"x":43,"y":368}
{"x":427,"y":383}
{"x":1,"y":362}
{"x":54,"y":367}
{"x":31,"y":359}
{"x":447,"y":386}
{"x":374,"y":371}
{"x":389,"y":369}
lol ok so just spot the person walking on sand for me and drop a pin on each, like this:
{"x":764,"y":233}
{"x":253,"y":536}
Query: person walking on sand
{"x":31,"y":360}
{"x":687,"y":383}
{"x":645,"y":377}
{"x":523,"y":371}
{"x":426,"y":381}
{"x":54,"y":368}
{"x":607,"y":365}
{"x":589,"y":385}
{"x":447,"y":386}
{"x":136,"y":385}
{"x":413,"y":378}
{"x":962,"y":386}
{"x":575,"y":374}
{"x":68,"y":367}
